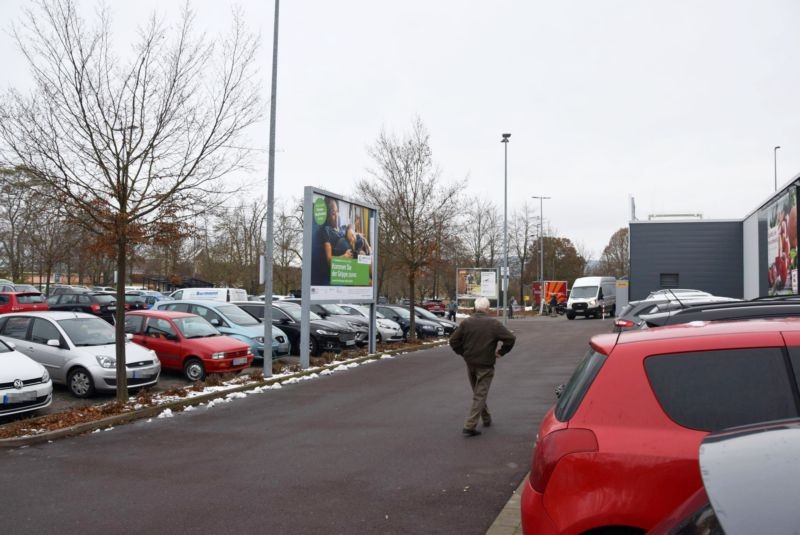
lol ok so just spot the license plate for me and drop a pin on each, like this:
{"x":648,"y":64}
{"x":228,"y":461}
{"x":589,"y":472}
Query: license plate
{"x":239,"y":361}
{"x":141,"y":375}
{"x":350,"y":343}
{"x":19,"y":397}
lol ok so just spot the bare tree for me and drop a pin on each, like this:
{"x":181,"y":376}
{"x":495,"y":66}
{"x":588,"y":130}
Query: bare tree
{"x":135,"y":146}
{"x":522,"y":225}
{"x":413,"y":203}
{"x":288,"y":250}
{"x":478,"y":229}
{"x":18,"y":210}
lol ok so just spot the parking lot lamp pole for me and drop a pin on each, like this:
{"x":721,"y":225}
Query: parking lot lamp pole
{"x":270,"y":206}
{"x":504,"y":278}
{"x":775,"y":166}
{"x":541,"y":250}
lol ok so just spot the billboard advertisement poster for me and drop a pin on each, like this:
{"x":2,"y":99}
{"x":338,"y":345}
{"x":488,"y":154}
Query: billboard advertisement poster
{"x":342,"y":238}
{"x":472,"y":283}
{"x":557,"y":289}
{"x":782,"y":244}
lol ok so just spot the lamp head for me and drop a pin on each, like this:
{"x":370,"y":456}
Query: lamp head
{"x":505,"y":138}
{"x":777,"y":147}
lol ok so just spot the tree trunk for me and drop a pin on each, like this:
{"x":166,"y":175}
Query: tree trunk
{"x":119,"y":318}
{"x":412,"y":326}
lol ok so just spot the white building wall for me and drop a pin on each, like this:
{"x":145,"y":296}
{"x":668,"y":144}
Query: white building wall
{"x":752,"y":256}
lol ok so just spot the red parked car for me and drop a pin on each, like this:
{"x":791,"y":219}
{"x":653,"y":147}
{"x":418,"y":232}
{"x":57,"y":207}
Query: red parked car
{"x":435,"y":305}
{"x":619,"y":450}
{"x":22,"y":302}
{"x":187,"y":342}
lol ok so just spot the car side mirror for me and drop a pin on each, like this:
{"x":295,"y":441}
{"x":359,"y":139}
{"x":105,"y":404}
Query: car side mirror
{"x":215,"y":322}
{"x":284,"y":321}
{"x":129,"y":336}
{"x":173,"y":337}
{"x":560,"y":390}
{"x":54,"y":343}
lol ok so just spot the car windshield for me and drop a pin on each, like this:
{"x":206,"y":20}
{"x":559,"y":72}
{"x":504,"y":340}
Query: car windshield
{"x":584,"y":292}
{"x":364,"y":311}
{"x":336,"y":310}
{"x":237,"y":315}
{"x":426,"y":313}
{"x":132,"y":298}
{"x":195,"y":327}
{"x":294,"y":312}
{"x":30,"y":298}
{"x":402,"y":312}
{"x":88,"y":331}
{"x":25,"y":288}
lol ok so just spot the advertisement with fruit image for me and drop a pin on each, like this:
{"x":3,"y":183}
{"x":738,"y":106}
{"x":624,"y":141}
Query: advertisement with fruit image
{"x":782,"y":245}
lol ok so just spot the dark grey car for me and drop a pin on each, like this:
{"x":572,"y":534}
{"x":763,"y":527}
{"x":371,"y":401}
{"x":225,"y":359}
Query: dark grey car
{"x":337,"y":314}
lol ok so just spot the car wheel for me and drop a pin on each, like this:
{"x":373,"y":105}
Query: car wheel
{"x":379,"y":339}
{"x":80,"y":383}
{"x":570,"y":315}
{"x":194,"y":370}
{"x":313,"y":347}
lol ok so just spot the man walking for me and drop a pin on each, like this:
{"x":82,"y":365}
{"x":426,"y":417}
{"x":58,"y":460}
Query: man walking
{"x":452,"y":308}
{"x":476,"y":340}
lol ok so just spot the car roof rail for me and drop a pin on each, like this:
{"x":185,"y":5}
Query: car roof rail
{"x":734,"y":310}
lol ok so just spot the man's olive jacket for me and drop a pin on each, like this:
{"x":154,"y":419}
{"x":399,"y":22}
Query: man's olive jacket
{"x":476,"y":339}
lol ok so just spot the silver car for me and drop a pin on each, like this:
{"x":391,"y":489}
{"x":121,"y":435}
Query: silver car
{"x":78,"y":350}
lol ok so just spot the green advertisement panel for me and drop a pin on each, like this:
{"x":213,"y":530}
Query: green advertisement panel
{"x":342,"y":240}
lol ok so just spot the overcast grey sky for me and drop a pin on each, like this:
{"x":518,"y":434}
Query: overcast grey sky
{"x":677,"y":103}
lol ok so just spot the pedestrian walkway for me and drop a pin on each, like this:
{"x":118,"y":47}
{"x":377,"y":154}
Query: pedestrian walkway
{"x":508,"y":522}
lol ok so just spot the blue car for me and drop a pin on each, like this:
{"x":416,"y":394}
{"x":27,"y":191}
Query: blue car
{"x":231,"y":320}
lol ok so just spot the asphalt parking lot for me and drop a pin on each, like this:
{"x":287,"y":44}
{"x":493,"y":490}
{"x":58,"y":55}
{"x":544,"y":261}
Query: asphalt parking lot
{"x":374,"y":449}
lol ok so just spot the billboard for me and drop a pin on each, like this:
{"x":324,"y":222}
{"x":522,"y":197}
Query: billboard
{"x":472,"y":283}
{"x":557,"y":288}
{"x":782,"y":244}
{"x":342,"y":240}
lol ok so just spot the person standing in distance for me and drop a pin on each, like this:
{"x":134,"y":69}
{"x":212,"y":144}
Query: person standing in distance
{"x":452,"y":308}
{"x":476,"y":340}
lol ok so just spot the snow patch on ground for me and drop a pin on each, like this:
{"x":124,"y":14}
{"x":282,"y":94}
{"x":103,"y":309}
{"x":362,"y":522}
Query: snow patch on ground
{"x":340,"y":368}
{"x":236,"y":395}
{"x":386,"y":356}
{"x":326,"y":372}
{"x":167,"y":413}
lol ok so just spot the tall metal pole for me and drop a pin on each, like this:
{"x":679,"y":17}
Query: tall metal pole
{"x":504,"y":278}
{"x":775,"y":156}
{"x":270,"y":206}
{"x":541,"y":250}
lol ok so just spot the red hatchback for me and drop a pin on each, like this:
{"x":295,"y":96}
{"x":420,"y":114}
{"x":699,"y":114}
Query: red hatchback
{"x":187,"y":342}
{"x":22,"y":302}
{"x":619,"y":450}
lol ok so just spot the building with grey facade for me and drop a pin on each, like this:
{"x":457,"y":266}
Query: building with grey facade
{"x":746,"y":258}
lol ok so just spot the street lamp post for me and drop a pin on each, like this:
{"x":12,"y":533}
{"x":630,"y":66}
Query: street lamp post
{"x":775,"y":166}
{"x":541,"y":249}
{"x":504,"y":278}
{"x":270,"y":204}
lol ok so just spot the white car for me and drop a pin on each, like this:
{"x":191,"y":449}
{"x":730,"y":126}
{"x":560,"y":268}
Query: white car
{"x":388,"y":330}
{"x":25,"y":385}
{"x":78,"y":350}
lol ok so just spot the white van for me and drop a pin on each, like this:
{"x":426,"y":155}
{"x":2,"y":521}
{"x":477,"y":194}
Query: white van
{"x":212,"y":294}
{"x":592,"y":296}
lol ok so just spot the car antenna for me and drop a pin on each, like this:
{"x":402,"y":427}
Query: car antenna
{"x":682,"y":306}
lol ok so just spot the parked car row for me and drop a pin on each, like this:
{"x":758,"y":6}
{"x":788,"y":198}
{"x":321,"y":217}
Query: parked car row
{"x":619,"y":450}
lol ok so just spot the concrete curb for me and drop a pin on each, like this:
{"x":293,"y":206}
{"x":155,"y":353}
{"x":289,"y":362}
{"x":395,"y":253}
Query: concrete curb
{"x":509,"y":521}
{"x":148,"y":412}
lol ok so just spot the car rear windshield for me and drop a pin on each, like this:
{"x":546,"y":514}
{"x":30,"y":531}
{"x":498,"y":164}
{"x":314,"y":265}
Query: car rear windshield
{"x":579,"y":384}
{"x":105,"y":299}
{"x":712,"y":390}
{"x":27,"y":299}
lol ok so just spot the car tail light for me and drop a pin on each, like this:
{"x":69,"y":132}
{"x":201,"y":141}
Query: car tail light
{"x":552,"y":447}
{"x":623,"y":323}
{"x":94,"y":307}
